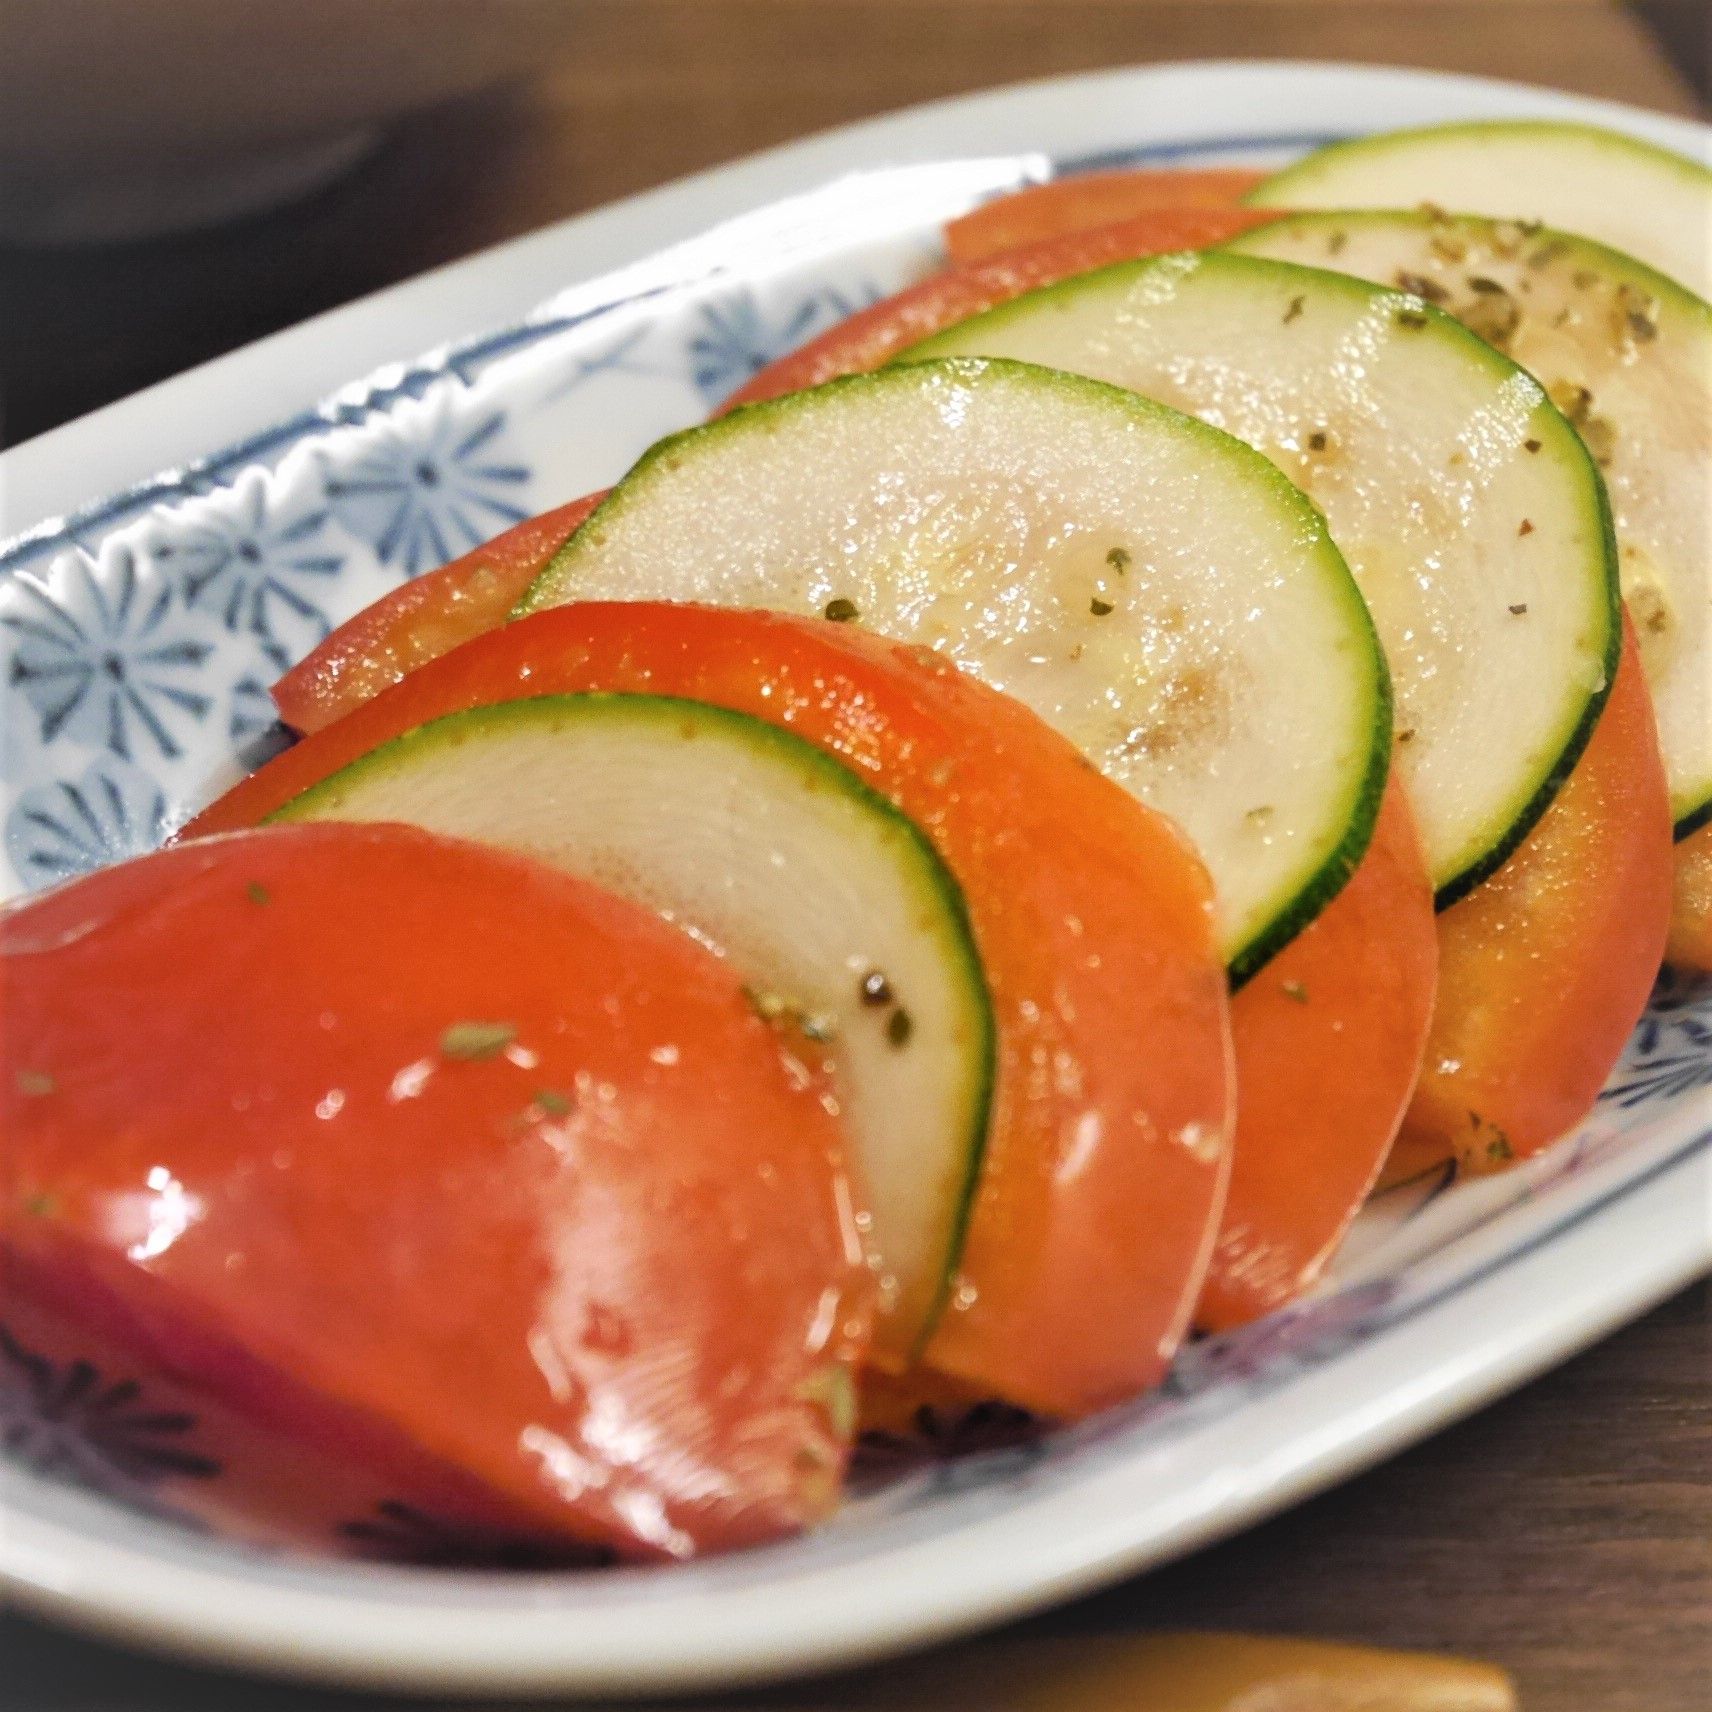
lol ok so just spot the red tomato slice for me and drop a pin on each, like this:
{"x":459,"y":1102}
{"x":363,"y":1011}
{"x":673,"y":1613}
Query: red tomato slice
{"x":873,"y":336}
{"x":370,"y":1132}
{"x":1106,"y":1158}
{"x":1690,"y":944}
{"x":1067,"y":205}
{"x":423,"y":619}
{"x":431,"y":615}
{"x":1329,"y":1040}
{"x":1546,"y":967}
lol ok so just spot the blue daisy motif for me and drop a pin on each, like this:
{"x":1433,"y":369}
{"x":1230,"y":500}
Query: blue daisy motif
{"x":107,"y":655}
{"x":259,"y":569}
{"x":253,"y":723}
{"x":67,"y":1420}
{"x":423,"y":494}
{"x":1671,"y":1052}
{"x":737,"y":338}
{"x":59,"y":830}
{"x":251,"y":711}
{"x":1285,"y":1343}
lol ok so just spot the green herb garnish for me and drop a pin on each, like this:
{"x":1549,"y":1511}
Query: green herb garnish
{"x":842,"y":611}
{"x":473,"y":1040}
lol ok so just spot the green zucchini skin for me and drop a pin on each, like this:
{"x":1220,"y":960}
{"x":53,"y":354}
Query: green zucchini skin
{"x":423,"y":754}
{"x":1643,"y":200}
{"x":1567,"y":300}
{"x":1159,"y":291}
{"x":574,"y":571}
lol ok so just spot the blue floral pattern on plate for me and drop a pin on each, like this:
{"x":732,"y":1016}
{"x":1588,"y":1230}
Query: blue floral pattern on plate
{"x":138,"y":651}
{"x":110,"y":659}
{"x":422,"y":493}
{"x":67,"y":827}
{"x":263,"y":573}
{"x":736,"y":337}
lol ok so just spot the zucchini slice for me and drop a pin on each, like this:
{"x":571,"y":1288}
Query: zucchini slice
{"x":1646,"y":201}
{"x":778,"y":856}
{"x":1627,"y":355}
{"x":1426,"y":450}
{"x":1148,"y":585}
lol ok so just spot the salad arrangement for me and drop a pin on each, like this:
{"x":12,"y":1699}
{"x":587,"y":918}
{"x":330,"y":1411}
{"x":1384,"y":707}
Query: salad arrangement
{"x":949,"y":877}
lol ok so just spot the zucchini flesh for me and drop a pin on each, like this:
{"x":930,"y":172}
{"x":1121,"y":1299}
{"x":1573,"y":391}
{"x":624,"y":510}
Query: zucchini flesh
{"x":1427,"y":451}
{"x":1627,"y":354}
{"x":1149,"y":586}
{"x":774,"y":853}
{"x":1640,"y":199}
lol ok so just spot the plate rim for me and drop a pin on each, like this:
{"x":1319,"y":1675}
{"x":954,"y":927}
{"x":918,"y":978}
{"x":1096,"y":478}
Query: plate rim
{"x":74,"y":1576}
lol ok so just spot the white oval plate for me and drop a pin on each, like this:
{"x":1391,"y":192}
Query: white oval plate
{"x":140,"y":631}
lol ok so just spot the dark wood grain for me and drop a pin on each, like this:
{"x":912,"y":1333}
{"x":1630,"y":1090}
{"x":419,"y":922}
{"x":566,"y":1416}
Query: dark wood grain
{"x":652,"y":89}
{"x":1565,"y":1533}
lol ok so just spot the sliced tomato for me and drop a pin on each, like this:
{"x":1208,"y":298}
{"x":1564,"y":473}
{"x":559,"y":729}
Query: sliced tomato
{"x":1066,"y":205}
{"x":1329,"y":1042}
{"x":1690,"y":944}
{"x":445,"y":1159}
{"x":423,"y":619}
{"x":1106,"y":1159}
{"x":432,"y":614}
{"x":1546,"y":967}
{"x":873,"y":336}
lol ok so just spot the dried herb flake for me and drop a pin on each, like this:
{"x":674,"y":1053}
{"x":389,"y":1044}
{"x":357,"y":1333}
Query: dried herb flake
{"x":468,"y":1041}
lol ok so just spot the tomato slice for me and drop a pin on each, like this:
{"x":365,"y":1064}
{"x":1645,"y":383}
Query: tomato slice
{"x":1329,"y":1042}
{"x":423,"y":619}
{"x":873,"y":336}
{"x":1106,"y":1159}
{"x":432,"y":614}
{"x":1066,"y":205}
{"x":1546,"y":967}
{"x":1690,"y":944}
{"x":444,"y":1158}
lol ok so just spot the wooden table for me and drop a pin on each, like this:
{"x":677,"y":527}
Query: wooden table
{"x":1565,"y":1533}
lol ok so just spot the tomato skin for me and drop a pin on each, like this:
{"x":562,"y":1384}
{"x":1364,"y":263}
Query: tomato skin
{"x":434,"y":613}
{"x":1076,"y":204}
{"x":315,"y":1205}
{"x":1545,"y":968}
{"x":1690,"y":944}
{"x":1107,"y":1158}
{"x":873,"y":336}
{"x":1329,"y":1043}
{"x":422,"y":619}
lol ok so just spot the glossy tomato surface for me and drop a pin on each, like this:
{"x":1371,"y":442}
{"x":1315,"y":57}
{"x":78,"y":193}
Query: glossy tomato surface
{"x":1107,"y":1154}
{"x":443,"y":1159}
{"x":423,"y":619}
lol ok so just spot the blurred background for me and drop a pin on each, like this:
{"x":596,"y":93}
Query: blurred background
{"x":179,"y":177}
